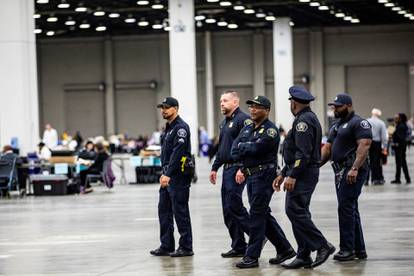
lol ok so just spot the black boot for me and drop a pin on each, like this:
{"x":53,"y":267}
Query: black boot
{"x":344,"y":256}
{"x":323,"y":254}
{"x":280,"y":258}
{"x":160,"y":252}
{"x":233,"y":253}
{"x":362,"y":254}
{"x":299,"y":263}
{"x":181,"y":252}
{"x":248,"y":262}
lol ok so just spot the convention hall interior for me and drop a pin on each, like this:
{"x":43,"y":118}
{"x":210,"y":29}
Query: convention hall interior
{"x":82,"y":80}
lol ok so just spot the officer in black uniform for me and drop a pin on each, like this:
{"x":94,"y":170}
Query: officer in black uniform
{"x":301,"y":153}
{"x":175,"y":183}
{"x":256,"y":147}
{"x":348,"y":145}
{"x":235,"y":214}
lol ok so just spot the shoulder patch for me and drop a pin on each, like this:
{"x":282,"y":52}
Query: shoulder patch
{"x":302,"y":127}
{"x":182,"y":133}
{"x":364,"y":124}
{"x":271,"y":132}
{"x":248,"y":122}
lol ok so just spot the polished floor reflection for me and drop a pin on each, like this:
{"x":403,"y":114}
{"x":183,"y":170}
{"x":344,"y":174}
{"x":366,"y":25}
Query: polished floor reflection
{"x":111,"y":232}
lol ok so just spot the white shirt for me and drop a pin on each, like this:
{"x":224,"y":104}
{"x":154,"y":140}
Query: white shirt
{"x":50,"y":138}
{"x":45,"y":153}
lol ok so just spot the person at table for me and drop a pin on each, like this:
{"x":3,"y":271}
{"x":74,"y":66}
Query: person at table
{"x":95,"y":168}
{"x":88,"y":152}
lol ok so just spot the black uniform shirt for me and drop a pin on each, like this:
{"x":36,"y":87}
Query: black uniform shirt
{"x":175,"y":146}
{"x":229,"y":130}
{"x":302,"y":146}
{"x":256,"y":145}
{"x":344,"y":135}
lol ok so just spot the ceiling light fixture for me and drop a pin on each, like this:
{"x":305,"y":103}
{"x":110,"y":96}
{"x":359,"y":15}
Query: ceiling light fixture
{"x":340,"y":14}
{"x":314,"y":4}
{"x":248,"y":11}
{"x":143,"y":22}
{"x":199,"y":17}
{"x":222,"y":23}
{"x":225,"y":3}
{"x":260,"y":14}
{"x":99,"y":13}
{"x":142,"y":2}
{"x":291,"y":23}
{"x":42,"y":1}
{"x":130,"y":20}
{"x":64,"y":5}
{"x":232,"y":26}
{"x":50,"y":33}
{"x":84,"y":25}
{"x":382,"y":1}
{"x":157,"y":5}
{"x":355,"y":20}
{"x":37,"y":31}
{"x":157,"y":26}
{"x":114,"y":15}
{"x":402,"y":12}
{"x":81,"y":9}
{"x":270,"y":17}
{"x":70,"y":22}
{"x":36,"y":15}
{"x":348,"y":18}
{"x":389,"y":4}
{"x":100,"y":28}
{"x":396,"y":8}
{"x":323,"y":8}
{"x":304,"y":1}
{"x":212,"y":1}
{"x":52,"y":19}
{"x":238,"y":7}
{"x":210,"y":20}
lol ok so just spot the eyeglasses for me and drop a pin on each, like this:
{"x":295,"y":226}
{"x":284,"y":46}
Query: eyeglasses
{"x":254,"y":106}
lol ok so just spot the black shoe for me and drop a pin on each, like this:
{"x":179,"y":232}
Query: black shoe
{"x":396,"y":182}
{"x":344,"y":256}
{"x":248,"y":262}
{"x":160,"y":252}
{"x":180,"y":252}
{"x":280,"y":258}
{"x":362,"y":255}
{"x":299,"y":263}
{"x":323,"y":254}
{"x":232,"y":254}
{"x":408,"y":181}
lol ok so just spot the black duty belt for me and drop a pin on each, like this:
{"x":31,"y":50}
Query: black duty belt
{"x":252,"y":170}
{"x":230,"y":165}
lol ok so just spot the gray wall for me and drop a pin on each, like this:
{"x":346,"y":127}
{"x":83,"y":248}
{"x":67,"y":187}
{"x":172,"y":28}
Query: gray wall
{"x":145,"y":58}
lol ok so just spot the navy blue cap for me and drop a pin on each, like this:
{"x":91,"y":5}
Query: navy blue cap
{"x":341,"y":99}
{"x":260,"y":100}
{"x":168,"y":102}
{"x":300,"y":94}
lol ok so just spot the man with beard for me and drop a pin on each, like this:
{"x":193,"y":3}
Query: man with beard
{"x":234,"y":213}
{"x":348,"y":145}
{"x":256,"y":147}
{"x":175,"y":183}
{"x":301,"y":153}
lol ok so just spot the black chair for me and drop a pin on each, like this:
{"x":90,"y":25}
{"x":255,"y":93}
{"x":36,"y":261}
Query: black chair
{"x":8,"y":176}
{"x":93,"y":178}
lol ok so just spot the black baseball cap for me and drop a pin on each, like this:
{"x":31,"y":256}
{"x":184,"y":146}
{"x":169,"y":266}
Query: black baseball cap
{"x":260,"y":100}
{"x":168,"y":102}
{"x":341,"y":99}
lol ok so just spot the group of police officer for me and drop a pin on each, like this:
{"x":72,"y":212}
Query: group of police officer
{"x":248,"y":148}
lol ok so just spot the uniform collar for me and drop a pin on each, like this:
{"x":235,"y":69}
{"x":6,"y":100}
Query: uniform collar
{"x":267,"y":119}
{"x":306,"y":109}
{"x":173,"y":123}
{"x":237,"y":110}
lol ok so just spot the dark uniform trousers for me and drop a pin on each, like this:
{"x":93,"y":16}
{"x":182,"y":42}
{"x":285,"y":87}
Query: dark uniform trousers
{"x":375,"y":161}
{"x":308,"y":237}
{"x":262,"y":223}
{"x":173,"y":201}
{"x":350,"y":228}
{"x":234,"y":213}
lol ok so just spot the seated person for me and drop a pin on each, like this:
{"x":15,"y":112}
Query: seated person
{"x":10,"y":156}
{"x":43,"y":152}
{"x":95,"y":168}
{"x":88,"y":152}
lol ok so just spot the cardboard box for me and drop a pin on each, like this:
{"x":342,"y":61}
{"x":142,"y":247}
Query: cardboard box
{"x":62,"y":159}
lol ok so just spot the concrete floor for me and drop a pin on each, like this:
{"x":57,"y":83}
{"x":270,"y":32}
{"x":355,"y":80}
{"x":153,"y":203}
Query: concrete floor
{"x":111,"y":232}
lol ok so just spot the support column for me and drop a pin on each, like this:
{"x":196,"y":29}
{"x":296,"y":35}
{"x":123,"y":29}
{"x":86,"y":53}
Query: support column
{"x":209,"y":86}
{"x":411,"y":90}
{"x":109,"y":88}
{"x":317,"y":75}
{"x":283,"y":70}
{"x":19,"y":112}
{"x":258,"y":65}
{"x":183,"y":63}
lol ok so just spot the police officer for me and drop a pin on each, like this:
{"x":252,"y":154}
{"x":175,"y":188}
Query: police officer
{"x":256,"y":147}
{"x":301,"y":153}
{"x":234,"y":213}
{"x":348,"y":145}
{"x":175,"y":183}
